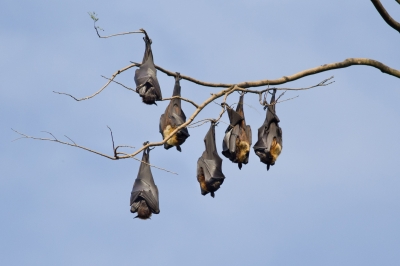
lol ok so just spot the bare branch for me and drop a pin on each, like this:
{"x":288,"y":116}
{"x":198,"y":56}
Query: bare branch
{"x":62,"y":142}
{"x":122,"y":33}
{"x":51,"y":135}
{"x":199,"y":82}
{"x":385,"y":15}
{"x":109,"y":81}
{"x":248,"y":84}
{"x":70,"y":139}
{"x":126,"y":87}
{"x":24,"y":136}
{"x":183,"y":99}
{"x":151,"y":165}
{"x":285,"y":79}
{"x":287,"y":99}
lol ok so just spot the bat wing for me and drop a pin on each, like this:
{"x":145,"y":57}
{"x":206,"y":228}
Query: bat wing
{"x":211,"y":164}
{"x":248,"y":133}
{"x":174,"y":117}
{"x":144,"y":187}
{"x":146,"y":77}
{"x":234,"y":117}
{"x":162,"y":124}
{"x":175,"y":111}
{"x":269,"y":131}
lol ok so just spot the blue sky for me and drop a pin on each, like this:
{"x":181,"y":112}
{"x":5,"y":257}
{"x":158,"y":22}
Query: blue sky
{"x":331,"y":199}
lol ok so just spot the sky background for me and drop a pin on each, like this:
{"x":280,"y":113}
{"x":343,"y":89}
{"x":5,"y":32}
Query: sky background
{"x":332,"y":198}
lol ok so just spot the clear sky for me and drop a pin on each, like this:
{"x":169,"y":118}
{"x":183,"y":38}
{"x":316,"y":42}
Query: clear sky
{"x":331,"y":199}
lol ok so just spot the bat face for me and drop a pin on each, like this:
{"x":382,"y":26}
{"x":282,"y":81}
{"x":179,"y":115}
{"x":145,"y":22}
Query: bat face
{"x":209,"y":166}
{"x":172,"y":118}
{"x":237,"y":140}
{"x":144,"y":195}
{"x":269,"y":144}
{"x":143,"y":211}
{"x":146,"y":79}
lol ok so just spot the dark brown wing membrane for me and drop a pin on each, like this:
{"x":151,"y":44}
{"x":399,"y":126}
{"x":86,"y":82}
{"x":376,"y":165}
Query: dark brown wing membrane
{"x":209,"y":166}
{"x":172,"y":118}
{"x":146,"y":77}
{"x":269,"y":144}
{"x":144,"y":191}
{"x":237,"y":139}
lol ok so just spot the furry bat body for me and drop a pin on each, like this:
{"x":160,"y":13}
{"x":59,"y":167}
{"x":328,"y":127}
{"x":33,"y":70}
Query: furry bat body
{"x":209,"y":166}
{"x":144,"y":195}
{"x":145,"y":77}
{"x":237,"y":140}
{"x":172,"y":118}
{"x":269,"y":144}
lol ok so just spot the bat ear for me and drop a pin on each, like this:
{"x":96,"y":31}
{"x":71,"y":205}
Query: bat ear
{"x":212,"y":194}
{"x":179,"y":148}
{"x":240,"y":166}
{"x":268,"y":167}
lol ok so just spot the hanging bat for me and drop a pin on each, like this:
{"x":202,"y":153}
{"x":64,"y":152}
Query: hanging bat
{"x":269,"y":144}
{"x":145,"y":77}
{"x":144,"y":195}
{"x":172,"y":118}
{"x":237,"y":140}
{"x":209,"y":166}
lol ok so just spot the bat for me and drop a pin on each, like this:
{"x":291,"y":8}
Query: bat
{"x":269,"y":144}
{"x":146,"y":77}
{"x":144,"y":195}
{"x":172,"y":118}
{"x":209,"y":166}
{"x":237,"y":140}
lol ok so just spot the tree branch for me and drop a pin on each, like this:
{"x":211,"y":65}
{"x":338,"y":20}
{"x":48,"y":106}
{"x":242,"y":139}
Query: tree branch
{"x":248,"y":84}
{"x":102,"y":88}
{"x":24,"y":136}
{"x":385,"y":15}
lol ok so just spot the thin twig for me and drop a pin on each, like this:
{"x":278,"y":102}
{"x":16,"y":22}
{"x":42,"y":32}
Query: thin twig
{"x":117,"y":34}
{"x":151,"y":165}
{"x":24,"y":136}
{"x":112,"y":139}
{"x":102,"y":88}
{"x":124,"y":146}
{"x":70,"y":139}
{"x":50,"y":134}
{"x":126,"y":87}
{"x":183,"y":99}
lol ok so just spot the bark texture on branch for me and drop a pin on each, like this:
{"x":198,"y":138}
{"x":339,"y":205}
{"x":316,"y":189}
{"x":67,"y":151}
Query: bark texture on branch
{"x":248,"y":84}
{"x":385,"y":15}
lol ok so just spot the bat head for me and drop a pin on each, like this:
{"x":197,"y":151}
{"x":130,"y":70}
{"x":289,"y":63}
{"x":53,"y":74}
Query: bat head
{"x":143,"y":212}
{"x":148,"y":94}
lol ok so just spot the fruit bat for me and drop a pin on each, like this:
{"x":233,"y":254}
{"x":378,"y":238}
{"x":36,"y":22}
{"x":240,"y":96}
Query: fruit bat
{"x":237,"y":140}
{"x":209,"y":166}
{"x":145,"y":77}
{"x":144,"y":195}
{"x":172,"y":118}
{"x":269,"y":144}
